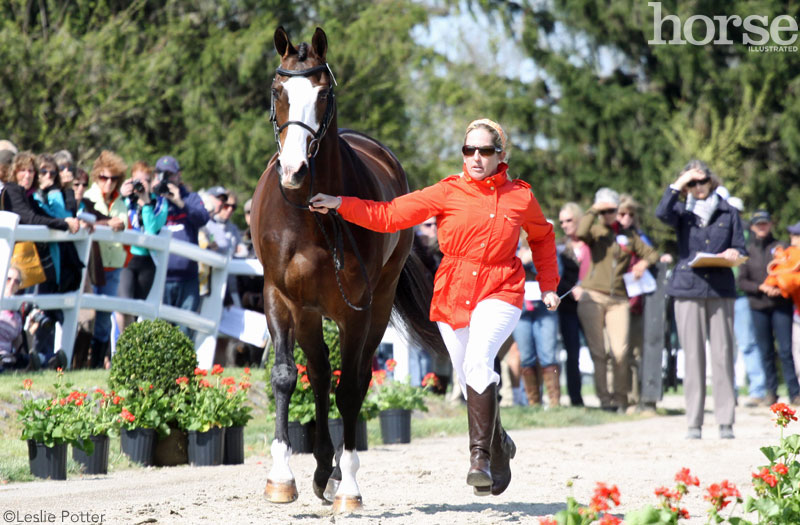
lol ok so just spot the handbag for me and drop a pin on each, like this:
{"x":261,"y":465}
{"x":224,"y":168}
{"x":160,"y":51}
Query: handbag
{"x":26,"y":259}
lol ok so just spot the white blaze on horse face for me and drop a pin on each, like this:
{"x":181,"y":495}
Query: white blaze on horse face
{"x":302,"y":107}
{"x":280,"y":470}
{"x":349,"y":464}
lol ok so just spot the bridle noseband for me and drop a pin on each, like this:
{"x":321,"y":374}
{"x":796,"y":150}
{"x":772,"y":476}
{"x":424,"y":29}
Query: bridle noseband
{"x":337,"y":246}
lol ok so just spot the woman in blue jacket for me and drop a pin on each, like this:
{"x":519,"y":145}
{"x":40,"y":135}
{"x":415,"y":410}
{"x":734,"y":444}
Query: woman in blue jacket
{"x":704,"y":296}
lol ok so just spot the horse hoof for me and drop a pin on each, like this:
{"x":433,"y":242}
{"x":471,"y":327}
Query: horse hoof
{"x":320,"y":493}
{"x":345,"y":504}
{"x":281,"y":491}
{"x":330,"y":489}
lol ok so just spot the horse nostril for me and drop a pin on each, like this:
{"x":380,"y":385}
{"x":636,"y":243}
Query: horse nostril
{"x":302,"y":171}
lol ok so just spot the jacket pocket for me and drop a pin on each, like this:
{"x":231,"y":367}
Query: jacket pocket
{"x":683,"y":279}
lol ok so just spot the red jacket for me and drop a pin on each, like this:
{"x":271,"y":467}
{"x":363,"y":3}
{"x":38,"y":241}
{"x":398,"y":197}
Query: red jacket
{"x":479,"y":224}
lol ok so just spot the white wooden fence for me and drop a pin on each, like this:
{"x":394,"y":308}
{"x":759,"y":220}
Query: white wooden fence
{"x":205,"y":323}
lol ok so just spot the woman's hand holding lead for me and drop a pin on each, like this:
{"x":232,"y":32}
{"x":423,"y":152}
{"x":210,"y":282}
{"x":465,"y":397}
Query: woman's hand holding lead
{"x":551,"y":300}
{"x":321,"y":203}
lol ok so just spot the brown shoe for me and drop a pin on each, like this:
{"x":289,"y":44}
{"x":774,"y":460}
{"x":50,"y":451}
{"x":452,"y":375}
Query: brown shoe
{"x":530,"y":379}
{"x":481,"y":416}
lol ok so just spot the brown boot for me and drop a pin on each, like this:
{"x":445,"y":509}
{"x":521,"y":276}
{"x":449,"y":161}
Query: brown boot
{"x":552,"y":385}
{"x":503,"y":449}
{"x":481,"y":416}
{"x":530,"y":378}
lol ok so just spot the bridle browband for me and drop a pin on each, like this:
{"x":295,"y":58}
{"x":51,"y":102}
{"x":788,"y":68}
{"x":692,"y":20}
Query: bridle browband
{"x":337,"y":246}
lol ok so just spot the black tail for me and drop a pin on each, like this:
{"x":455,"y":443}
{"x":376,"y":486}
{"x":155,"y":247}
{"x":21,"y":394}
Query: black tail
{"x":412,"y":305}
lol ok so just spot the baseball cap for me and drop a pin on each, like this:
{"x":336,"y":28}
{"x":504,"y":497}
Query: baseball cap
{"x":168,"y":163}
{"x":794,"y":229}
{"x":218,"y":192}
{"x":760,"y":216}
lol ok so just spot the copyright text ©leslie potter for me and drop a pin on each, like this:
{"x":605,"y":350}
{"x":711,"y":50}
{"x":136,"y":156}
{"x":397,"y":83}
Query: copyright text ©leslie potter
{"x":43,"y":516}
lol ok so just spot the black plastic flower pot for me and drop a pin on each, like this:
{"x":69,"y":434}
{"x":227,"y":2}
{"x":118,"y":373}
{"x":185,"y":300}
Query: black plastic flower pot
{"x":138,"y":444}
{"x":170,"y":450}
{"x":395,"y":426}
{"x":47,"y":462}
{"x":301,"y":437}
{"x":234,"y":446}
{"x":97,"y":461}
{"x":206,"y":448}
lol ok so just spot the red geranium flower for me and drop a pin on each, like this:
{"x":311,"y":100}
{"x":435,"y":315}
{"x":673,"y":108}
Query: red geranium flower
{"x":217,"y":370}
{"x":784,"y":412}
{"x":200,"y":372}
{"x":390,"y":365}
{"x":780,"y":468}
{"x":27,"y":384}
{"x":685,"y":476}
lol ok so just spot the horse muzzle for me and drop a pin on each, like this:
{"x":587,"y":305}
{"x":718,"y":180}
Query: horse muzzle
{"x":292,"y":178}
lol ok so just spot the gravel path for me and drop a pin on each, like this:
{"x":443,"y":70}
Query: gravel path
{"x":422,"y":482}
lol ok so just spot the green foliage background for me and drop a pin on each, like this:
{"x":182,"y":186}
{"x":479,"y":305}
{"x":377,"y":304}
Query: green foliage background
{"x":146,"y":78}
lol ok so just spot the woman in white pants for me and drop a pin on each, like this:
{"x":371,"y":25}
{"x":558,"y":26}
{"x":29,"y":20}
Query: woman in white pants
{"x":479,"y":286}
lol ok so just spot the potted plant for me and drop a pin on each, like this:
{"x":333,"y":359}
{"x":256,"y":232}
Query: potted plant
{"x":396,"y":400}
{"x":98,"y":421}
{"x":144,"y":414}
{"x":155,"y":352}
{"x":202,"y":411}
{"x":239,"y":415}
{"x":49,"y":424}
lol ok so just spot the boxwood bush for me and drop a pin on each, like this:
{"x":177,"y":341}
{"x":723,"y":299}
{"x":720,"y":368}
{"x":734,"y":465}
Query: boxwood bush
{"x":153,"y":351}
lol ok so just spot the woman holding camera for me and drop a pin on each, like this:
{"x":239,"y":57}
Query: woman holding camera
{"x":147,"y":213}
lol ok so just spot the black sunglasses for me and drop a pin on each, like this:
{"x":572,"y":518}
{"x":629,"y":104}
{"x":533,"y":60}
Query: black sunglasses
{"x":693,"y":183}
{"x":230,"y":206}
{"x":47,"y":172}
{"x":485,"y":151}
{"x":608,"y":211}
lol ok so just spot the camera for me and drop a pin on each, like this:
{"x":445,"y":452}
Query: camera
{"x":162,"y":188}
{"x":41,"y":318}
{"x":138,"y":187}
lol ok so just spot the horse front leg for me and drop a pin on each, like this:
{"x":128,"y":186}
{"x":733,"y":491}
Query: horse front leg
{"x":281,"y":487}
{"x":311,"y":340}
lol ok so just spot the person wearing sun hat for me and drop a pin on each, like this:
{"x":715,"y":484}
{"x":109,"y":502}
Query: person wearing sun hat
{"x":604,"y":305}
{"x":479,"y":286}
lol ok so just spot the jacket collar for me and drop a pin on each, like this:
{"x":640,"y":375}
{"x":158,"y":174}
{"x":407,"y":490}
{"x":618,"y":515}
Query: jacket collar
{"x":496,"y":180}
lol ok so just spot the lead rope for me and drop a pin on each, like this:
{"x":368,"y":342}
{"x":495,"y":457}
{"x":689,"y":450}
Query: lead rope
{"x":337,"y":246}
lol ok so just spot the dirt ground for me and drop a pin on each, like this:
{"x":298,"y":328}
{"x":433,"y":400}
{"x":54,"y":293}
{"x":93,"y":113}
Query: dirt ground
{"x":422,"y":482}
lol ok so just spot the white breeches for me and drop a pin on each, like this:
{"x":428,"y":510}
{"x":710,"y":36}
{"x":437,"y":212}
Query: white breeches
{"x":473,"y":349}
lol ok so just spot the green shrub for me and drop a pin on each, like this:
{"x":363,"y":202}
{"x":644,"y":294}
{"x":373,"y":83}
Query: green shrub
{"x":154,"y":352}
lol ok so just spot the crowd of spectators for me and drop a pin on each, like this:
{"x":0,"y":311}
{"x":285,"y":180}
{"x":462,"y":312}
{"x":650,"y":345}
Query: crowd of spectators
{"x":53,"y":191}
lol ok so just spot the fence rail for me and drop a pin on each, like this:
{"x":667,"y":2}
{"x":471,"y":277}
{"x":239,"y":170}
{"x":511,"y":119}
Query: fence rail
{"x":205,"y":323}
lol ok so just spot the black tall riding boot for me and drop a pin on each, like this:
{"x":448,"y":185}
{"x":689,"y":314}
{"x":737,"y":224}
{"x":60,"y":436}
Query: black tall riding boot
{"x":503,"y":449}
{"x":481,"y":416}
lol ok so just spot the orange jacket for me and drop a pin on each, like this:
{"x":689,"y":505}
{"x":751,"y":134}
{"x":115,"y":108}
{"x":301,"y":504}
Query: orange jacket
{"x":784,"y":272}
{"x":479,"y":224}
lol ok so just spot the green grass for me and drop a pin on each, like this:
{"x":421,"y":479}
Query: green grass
{"x":442,"y":419}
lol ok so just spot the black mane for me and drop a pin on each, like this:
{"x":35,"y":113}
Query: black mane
{"x":302,"y":52}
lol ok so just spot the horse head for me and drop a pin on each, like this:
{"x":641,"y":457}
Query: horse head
{"x":303,"y":104}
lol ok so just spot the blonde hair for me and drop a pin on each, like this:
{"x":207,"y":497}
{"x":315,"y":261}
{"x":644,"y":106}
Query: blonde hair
{"x":499,"y":136}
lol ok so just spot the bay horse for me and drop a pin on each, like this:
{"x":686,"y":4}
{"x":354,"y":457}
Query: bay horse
{"x":311,"y":270}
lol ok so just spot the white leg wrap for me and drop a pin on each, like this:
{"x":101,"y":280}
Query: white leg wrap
{"x":280,"y":470}
{"x":349,"y":466}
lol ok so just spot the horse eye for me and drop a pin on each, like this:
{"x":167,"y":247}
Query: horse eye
{"x":323,"y":95}
{"x":276,"y":93}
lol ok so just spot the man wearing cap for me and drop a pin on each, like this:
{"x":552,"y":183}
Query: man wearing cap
{"x":186,"y":215}
{"x":772,"y":313}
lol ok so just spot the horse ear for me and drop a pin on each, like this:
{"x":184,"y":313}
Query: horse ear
{"x":283,"y":45}
{"x":320,"y":43}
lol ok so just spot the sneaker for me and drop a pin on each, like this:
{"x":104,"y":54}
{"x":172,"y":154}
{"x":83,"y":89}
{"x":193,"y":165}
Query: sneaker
{"x":770,"y":399}
{"x":726,"y":432}
{"x":59,"y":360}
{"x":751,"y":402}
{"x":694,"y":433}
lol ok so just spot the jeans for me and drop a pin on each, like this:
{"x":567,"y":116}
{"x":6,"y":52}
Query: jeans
{"x":771,"y":325}
{"x":746,"y":344}
{"x":536,"y":336}
{"x":102,"y":320}
{"x":183,"y":294}
{"x":571,"y":335}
